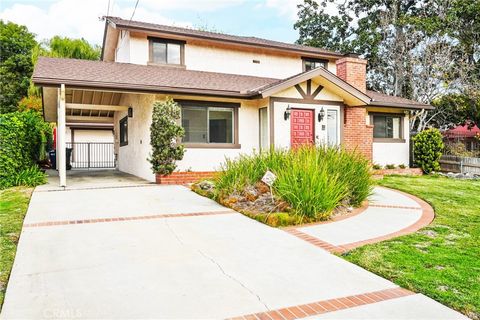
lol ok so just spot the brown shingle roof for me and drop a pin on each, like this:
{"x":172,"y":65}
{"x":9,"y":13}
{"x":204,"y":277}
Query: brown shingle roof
{"x":381,"y":99}
{"x":126,"y":76}
{"x":122,"y":23}
{"x":141,"y":77}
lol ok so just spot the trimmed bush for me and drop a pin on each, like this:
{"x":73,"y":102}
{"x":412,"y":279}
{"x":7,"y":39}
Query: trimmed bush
{"x":164,"y":133}
{"x":23,"y":142}
{"x":428,"y":147}
{"x":312,"y":180}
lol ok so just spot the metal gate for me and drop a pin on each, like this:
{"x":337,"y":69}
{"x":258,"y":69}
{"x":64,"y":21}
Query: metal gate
{"x":87,"y":155}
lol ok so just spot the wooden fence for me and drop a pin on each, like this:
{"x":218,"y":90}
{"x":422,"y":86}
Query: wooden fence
{"x":460,"y":164}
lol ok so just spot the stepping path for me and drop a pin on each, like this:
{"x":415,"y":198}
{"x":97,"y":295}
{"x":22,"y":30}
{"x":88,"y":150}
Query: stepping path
{"x":164,"y":252}
{"x":389,"y":214}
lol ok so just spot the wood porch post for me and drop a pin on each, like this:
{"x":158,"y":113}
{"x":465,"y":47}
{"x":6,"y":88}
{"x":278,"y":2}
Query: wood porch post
{"x":61,"y":164}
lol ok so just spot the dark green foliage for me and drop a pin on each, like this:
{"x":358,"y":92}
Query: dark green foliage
{"x":164,"y":134}
{"x":457,"y":108}
{"x":428,"y":147}
{"x":312,"y":180}
{"x":24,"y":138}
{"x":16,"y":65}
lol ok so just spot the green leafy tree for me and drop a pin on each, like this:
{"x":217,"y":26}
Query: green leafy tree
{"x":63,"y":47}
{"x":16,"y":66}
{"x":428,"y":147}
{"x":164,"y":135}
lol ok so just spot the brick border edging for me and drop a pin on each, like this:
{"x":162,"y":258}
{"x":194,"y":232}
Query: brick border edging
{"x":425,"y":219}
{"x":130,"y":218}
{"x":330,"y":305}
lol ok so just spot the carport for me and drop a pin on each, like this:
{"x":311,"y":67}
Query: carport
{"x":77,"y":107}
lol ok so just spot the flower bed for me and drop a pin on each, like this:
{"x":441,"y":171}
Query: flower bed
{"x":313,"y":183}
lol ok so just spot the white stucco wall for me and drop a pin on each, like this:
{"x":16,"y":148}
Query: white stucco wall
{"x":393,"y":152}
{"x":208,"y":58}
{"x":132,"y":158}
{"x":135,"y":49}
{"x":122,"y":52}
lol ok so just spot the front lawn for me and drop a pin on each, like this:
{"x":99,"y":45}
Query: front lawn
{"x":442,"y":260}
{"x":13,"y":206}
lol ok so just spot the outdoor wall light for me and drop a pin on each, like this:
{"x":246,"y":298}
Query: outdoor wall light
{"x":286,"y":114}
{"x":130,"y":112}
{"x":321,"y":114}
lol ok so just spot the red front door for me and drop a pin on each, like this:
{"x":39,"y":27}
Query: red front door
{"x":301,"y":127}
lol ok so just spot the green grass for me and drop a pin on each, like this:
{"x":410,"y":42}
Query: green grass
{"x":13,"y":206}
{"x":442,"y":260}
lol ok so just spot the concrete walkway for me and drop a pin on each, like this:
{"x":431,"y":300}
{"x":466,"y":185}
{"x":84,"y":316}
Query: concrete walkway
{"x":164,"y":252}
{"x":389,"y":214}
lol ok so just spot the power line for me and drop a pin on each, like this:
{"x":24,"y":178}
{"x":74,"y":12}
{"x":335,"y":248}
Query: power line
{"x":133,"y":13}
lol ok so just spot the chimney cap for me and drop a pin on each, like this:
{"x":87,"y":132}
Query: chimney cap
{"x":351,"y":55}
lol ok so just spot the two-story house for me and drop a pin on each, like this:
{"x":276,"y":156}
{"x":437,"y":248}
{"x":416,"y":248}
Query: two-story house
{"x":237,"y":94}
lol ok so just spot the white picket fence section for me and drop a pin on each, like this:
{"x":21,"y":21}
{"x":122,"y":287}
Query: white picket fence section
{"x":460,"y":164}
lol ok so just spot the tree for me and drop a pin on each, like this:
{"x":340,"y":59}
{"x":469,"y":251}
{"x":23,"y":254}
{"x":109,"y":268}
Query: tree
{"x":164,"y":133}
{"x":419,"y":50}
{"x":63,"y":47}
{"x":16,"y":66}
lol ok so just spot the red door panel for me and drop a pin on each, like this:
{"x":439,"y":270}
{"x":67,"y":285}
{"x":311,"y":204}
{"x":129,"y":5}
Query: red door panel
{"x":301,"y":127}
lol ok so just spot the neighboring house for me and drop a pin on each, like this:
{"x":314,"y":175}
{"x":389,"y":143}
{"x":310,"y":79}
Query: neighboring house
{"x":469,"y":136}
{"x":238,"y":95}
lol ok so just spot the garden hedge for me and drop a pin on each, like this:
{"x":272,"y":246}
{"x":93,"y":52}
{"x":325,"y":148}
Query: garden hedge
{"x":24,"y":139}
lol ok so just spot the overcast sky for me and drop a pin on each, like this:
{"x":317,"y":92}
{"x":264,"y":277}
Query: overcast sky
{"x":271,"y":19}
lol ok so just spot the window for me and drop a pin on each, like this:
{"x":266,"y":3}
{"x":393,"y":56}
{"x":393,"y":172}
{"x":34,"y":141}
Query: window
{"x":164,"y":51}
{"x":124,"y":131}
{"x":387,"y":126}
{"x":209,"y":123}
{"x":310,"y":64}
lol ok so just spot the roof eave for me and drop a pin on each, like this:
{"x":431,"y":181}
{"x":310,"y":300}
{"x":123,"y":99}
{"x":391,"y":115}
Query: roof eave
{"x":128,"y":87}
{"x":312,"y":74}
{"x":400,"y":105}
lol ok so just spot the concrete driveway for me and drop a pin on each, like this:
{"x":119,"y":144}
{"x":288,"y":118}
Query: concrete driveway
{"x":149,"y":251}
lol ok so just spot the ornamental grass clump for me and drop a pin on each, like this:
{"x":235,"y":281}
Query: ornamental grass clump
{"x":312,"y":180}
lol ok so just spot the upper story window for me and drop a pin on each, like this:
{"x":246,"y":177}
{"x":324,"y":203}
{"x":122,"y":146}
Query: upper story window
{"x":312,"y":63}
{"x":164,"y":51}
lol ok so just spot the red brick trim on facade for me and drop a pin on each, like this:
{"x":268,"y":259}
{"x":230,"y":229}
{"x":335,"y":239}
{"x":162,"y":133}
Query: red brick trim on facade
{"x":357,"y":134}
{"x":330,"y":305}
{"x":398,"y":171}
{"x":117,"y":219}
{"x":184,"y":177}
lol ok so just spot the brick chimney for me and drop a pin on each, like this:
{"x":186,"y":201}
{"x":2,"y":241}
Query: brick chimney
{"x":353,"y":70}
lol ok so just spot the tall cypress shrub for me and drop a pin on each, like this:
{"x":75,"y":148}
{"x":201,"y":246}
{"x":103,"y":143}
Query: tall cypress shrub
{"x":165,"y":131}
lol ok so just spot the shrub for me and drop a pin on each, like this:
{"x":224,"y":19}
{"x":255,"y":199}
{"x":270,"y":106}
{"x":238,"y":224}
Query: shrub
{"x":390,"y":166}
{"x":402,"y":166}
{"x":312,"y":180}
{"x":29,"y":177}
{"x":164,"y":133}
{"x":23,"y":140}
{"x":428,"y":146}
{"x":376,"y":166}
